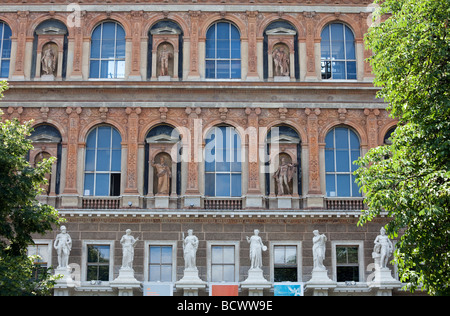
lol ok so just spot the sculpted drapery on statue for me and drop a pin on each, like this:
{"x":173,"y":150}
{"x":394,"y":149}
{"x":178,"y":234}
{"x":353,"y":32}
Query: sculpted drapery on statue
{"x":163,"y":174}
{"x":190,"y":246}
{"x":48,"y":61}
{"x":128,"y":242}
{"x":319,"y":250}
{"x":281,"y":61}
{"x":256,"y":249}
{"x":382,"y":249}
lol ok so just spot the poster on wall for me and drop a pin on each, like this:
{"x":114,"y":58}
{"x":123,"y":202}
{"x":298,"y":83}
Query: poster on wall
{"x":157,"y":289}
{"x":288,"y":289}
{"x":221,"y":289}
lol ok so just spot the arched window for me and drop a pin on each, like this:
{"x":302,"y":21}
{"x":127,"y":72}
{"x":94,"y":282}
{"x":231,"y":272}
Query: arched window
{"x":342,"y":148}
{"x":223,"y":51}
{"x":5,"y":49}
{"x":108,"y":51}
{"x":223,"y":162}
{"x":338,"y":58}
{"x":103,"y":162}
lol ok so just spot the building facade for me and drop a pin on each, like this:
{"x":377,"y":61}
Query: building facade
{"x":220,"y":116}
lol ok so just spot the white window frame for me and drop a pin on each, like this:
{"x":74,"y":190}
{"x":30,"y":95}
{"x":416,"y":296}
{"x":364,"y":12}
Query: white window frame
{"x":84,"y":257}
{"x":209,"y":245}
{"x":348,"y":243}
{"x":272,"y":246}
{"x":43,"y":243}
{"x":147,"y":245}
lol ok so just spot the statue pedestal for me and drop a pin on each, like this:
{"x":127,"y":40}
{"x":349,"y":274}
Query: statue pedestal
{"x":383,"y":282}
{"x":125,"y":282}
{"x":255,"y":282}
{"x":161,"y":201}
{"x":284,"y":202}
{"x":47,"y":78}
{"x":320,"y":283}
{"x":281,"y":78}
{"x":164,"y":78}
{"x":63,"y":285}
{"x":190,"y":283}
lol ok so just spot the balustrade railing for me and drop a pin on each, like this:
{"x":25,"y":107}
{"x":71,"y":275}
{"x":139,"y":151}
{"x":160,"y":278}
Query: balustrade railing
{"x":101,"y":203}
{"x":223,"y":204}
{"x":345,"y":204}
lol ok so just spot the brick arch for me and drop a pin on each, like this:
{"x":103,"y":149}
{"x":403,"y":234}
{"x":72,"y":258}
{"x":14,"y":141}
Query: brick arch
{"x":158,"y":18}
{"x":242,"y":28}
{"x":93,"y":23}
{"x":360,"y":130}
{"x":55,"y":124}
{"x":384,"y":130}
{"x":343,"y":18}
{"x":301,"y":32}
{"x":84,"y":131}
{"x":46,"y":17}
{"x":12,"y":25}
{"x":181,"y":130}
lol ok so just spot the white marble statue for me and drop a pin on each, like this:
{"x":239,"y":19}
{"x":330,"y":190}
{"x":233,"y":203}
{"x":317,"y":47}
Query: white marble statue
{"x":383,"y":248}
{"x":63,"y":246}
{"x":190,"y":246}
{"x":128,"y":243}
{"x":319,"y":250}
{"x":256,"y":249}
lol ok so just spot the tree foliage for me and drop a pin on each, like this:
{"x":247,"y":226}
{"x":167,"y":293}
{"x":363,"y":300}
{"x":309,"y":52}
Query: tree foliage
{"x":410,"y":179}
{"x":21,"y":215}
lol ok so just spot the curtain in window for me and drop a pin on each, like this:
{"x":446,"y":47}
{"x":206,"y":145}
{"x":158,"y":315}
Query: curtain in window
{"x":102,"y":162}
{"x":338,"y":58}
{"x":223,"y":162}
{"x":5,"y":49}
{"x":108,"y":51}
{"x":342,"y":148}
{"x":223,"y":51}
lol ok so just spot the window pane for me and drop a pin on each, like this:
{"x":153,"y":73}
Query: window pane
{"x":341,"y":138}
{"x":95,"y":48}
{"x":342,"y":161}
{"x":223,"y":48}
{"x":104,"y":137}
{"x":329,"y":160}
{"x":337,"y":50}
{"x":351,"y":70}
{"x":216,"y":254}
{"x":325,"y":35}
{"x":166,"y":254}
{"x":109,"y":30}
{"x":330,"y":184}
{"x":347,"y":274}
{"x":236,"y":185}
{"x":343,"y":184}
{"x":325,"y":49}
{"x":94,"y":69}
{"x":103,"y":252}
{"x":223,"y":184}
{"x":155,"y":273}
{"x":228,"y":273}
{"x":223,"y":30}
{"x":329,"y":140}
{"x":210,"y":185}
{"x":354,"y":140}
{"x":235,"y":69}
{"x":116,"y":160}
{"x":90,"y":160}
{"x":222,"y":69}
{"x":155,"y":254}
{"x":291,"y":254}
{"x":355,"y":187}
{"x":235,"y":49}
{"x":102,"y":184}
{"x":120,"y":70}
{"x":210,"y":69}
{"x":337,"y":32}
{"x":216,"y":273}
{"x":103,"y":159}
{"x":91,"y":273}
{"x":4,"y":69}
{"x":279,"y":255}
{"x":228,"y":254}
{"x":166,"y":273}
{"x":108,"y":48}
{"x":350,"y":50}
{"x":88,"y":184}
{"x":338,"y":70}
{"x":355,"y":156}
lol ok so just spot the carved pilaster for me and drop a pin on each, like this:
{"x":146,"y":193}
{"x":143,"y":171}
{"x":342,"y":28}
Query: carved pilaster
{"x":72,"y":150}
{"x":313,"y":145}
{"x":132,"y":150}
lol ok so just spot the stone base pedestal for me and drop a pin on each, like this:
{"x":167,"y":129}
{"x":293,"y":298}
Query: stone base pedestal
{"x":192,"y":201}
{"x":284,"y":202}
{"x":320,"y":283}
{"x":254,"y":201}
{"x":125,"y":283}
{"x":255,"y":283}
{"x":47,"y":77}
{"x":65,"y":284}
{"x":383,"y":283}
{"x":190,"y":283}
{"x":164,"y":78}
{"x":161,"y":201}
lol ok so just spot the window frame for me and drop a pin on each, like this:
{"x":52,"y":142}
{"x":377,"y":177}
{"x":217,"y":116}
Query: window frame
{"x":220,"y":243}
{"x":109,"y":59}
{"x":151,"y":243}
{"x":43,"y":243}
{"x":2,"y":43}
{"x":324,"y":62}
{"x":216,"y":59}
{"x":273,"y":264}
{"x":335,"y":173}
{"x":348,"y":243}
{"x":84,"y":258}
{"x":238,"y":150}
{"x":95,"y":171}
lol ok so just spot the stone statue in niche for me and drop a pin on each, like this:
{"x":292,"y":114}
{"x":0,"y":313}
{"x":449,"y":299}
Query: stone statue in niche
{"x":63,"y":246}
{"x":164,"y":55}
{"x":284,"y":176}
{"x":190,"y":245}
{"x":382,"y":249}
{"x":281,"y":61}
{"x":319,"y":250}
{"x":163,"y":174}
{"x":128,"y":243}
{"x":48,"y":61}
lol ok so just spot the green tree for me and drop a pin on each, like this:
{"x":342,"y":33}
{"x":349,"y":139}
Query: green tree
{"x":410,"y":179}
{"x":21,"y":215}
